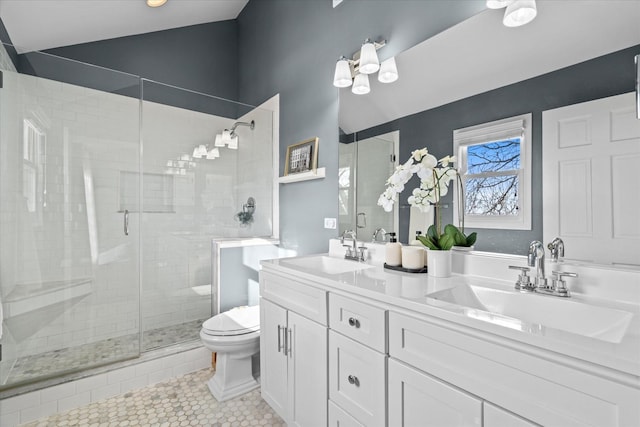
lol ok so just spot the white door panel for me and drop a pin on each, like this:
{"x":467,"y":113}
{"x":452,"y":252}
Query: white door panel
{"x":591,"y":186}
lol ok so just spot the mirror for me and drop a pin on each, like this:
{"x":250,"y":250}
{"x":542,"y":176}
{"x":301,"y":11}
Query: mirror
{"x":480,"y":71}
{"x":363,"y":170}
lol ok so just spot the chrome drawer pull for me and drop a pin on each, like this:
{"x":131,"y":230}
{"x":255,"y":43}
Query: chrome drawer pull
{"x":353,"y":380}
{"x":354,"y":322}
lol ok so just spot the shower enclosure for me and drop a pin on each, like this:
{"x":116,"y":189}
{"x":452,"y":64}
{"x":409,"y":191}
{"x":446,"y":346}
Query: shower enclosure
{"x":107,"y":212}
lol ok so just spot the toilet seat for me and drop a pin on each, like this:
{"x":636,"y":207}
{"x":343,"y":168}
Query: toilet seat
{"x":237,"y":321}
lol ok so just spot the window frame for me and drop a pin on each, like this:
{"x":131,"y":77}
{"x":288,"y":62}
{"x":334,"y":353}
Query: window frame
{"x":518,"y":126}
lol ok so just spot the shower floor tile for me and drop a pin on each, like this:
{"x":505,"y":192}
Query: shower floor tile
{"x":57,"y":362}
{"x":183,"y":401}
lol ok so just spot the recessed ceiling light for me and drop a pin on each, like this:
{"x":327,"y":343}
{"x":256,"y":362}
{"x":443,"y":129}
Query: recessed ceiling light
{"x":155,"y":3}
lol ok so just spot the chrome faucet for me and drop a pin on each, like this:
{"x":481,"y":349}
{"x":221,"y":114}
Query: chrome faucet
{"x":536,"y":259}
{"x":377,"y":232}
{"x":355,"y":253}
{"x":556,"y":248}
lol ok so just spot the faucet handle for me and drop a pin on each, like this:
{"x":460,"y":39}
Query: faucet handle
{"x":361,"y":255}
{"x":349,"y":252}
{"x":524,"y":281}
{"x":558,"y":285}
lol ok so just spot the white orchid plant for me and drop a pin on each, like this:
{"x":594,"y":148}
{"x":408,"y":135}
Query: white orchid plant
{"x":435,"y":176}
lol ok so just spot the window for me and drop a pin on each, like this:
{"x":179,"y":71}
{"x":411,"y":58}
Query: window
{"x":494,"y":161}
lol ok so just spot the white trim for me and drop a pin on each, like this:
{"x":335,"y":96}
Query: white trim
{"x":273,"y":104}
{"x":494,"y":131}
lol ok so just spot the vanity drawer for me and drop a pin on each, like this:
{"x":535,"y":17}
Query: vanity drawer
{"x":305,"y":300}
{"x":362,"y":322}
{"x":339,"y":418}
{"x":357,"y":380}
{"x":513,"y":376}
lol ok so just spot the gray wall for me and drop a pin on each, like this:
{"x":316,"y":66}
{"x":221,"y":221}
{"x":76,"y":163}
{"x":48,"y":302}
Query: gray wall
{"x":202,"y":58}
{"x":290,"y":47}
{"x":608,"y":75}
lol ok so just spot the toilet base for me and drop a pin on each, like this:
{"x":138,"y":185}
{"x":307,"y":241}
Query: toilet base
{"x":233,"y":377}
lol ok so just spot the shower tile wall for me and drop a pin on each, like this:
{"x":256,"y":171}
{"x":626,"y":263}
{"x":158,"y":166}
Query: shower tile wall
{"x":5,"y":61}
{"x":65,"y":234}
{"x":59,"y":216}
{"x":176,"y":238}
{"x":254,"y":172}
{"x":207,"y":194}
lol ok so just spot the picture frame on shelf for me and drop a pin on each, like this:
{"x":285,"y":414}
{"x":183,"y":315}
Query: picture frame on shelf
{"x":302,"y":157}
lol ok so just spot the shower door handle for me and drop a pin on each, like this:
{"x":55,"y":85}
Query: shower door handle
{"x":126,"y":222}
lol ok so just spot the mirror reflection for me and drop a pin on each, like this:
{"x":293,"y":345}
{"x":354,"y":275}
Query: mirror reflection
{"x":364,"y":167}
{"x":479,"y":72}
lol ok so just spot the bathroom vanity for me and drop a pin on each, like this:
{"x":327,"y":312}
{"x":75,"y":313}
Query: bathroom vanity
{"x":352,"y":344}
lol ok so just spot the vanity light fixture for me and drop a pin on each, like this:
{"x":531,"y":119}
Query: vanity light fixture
{"x":229,"y":137}
{"x":498,"y":4}
{"x":361,"y":84}
{"x":369,"y":62}
{"x":355,"y":71}
{"x":155,"y":3}
{"x":517,"y":13}
{"x":388,"y":71}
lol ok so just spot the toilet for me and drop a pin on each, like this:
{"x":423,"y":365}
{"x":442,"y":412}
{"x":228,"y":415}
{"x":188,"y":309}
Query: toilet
{"x":235,"y":336}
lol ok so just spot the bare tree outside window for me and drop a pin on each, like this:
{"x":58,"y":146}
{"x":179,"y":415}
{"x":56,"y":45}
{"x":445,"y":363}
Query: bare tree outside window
{"x":491,"y":180}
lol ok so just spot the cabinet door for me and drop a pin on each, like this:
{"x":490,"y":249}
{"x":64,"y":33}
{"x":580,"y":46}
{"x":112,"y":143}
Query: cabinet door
{"x":307,"y":372}
{"x":273,"y":363}
{"x":419,"y":400}
{"x":339,"y":418}
{"x":357,"y":379}
{"x":498,"y":417}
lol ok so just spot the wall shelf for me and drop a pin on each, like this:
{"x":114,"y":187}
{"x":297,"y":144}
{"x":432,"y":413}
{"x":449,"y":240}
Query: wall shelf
{"x":302,"y":176}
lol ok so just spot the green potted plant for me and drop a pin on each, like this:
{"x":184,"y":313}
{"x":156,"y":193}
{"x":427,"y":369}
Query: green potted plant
{"x":451,"y":237}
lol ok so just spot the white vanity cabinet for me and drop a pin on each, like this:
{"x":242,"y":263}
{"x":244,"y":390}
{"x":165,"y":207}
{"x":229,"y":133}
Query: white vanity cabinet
{"x":357,"y":362}
{"x":519,"y":379}
{"x":338,"y":352}
{"x":494,"y":416}
{"x":293,"y":350}
{"x":417,"y":399}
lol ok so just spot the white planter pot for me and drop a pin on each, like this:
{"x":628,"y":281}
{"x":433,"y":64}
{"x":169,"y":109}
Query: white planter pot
{"x":439,"y":263}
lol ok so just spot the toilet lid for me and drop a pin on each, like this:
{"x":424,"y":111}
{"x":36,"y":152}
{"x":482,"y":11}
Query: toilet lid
{"x":237,"y":321}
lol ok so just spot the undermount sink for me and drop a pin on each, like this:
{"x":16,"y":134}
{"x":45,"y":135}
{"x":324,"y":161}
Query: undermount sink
{"x":326,"y":264}
{"x":606,"y":324}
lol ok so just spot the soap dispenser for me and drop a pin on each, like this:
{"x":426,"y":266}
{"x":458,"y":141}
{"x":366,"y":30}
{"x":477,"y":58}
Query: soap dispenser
{"x":393,"y":251}
{"x":416,"y":241}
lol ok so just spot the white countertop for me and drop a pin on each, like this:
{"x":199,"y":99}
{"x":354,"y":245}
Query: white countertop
{"x":616,"y":360}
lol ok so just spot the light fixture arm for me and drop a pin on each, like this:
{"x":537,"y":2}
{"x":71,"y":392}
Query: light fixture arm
{"x":251,"y":125}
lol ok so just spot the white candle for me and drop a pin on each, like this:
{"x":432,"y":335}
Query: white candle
{"x":412,"y":257}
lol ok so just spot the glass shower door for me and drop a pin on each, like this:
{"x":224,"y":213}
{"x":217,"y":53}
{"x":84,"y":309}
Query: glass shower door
{"x":69,"y":237}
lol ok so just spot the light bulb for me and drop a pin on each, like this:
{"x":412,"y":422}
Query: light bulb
{"x":226,"y":136}
{"x":342,"y":75}
{"x":520,"y":12}
{"x":369,"y":63}
{"x":498,"y":4}
{"x":233,"y":142}
{"x":213,"y":154}
{"x":199,"y":152}
{"x":361,"y":85}
{"x":155,"y":3}
{"x":388,"y":71}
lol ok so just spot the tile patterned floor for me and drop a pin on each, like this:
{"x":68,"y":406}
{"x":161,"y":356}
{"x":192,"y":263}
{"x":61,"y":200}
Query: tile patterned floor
{"x":98,"y":353}
{"x":184,"y":401}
